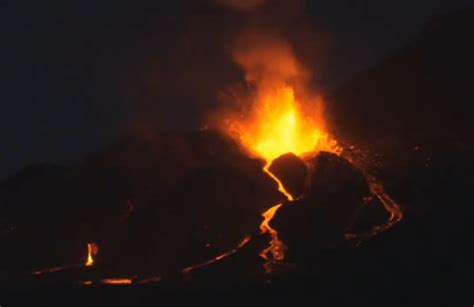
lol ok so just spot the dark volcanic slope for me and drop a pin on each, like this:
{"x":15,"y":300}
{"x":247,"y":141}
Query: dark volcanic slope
{"x":414,"y":111}
{"x":155,"y":203}
{"x":423,"y":91}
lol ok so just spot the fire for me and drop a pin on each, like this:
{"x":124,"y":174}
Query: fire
{"x":92,"y":250}
{"x":277,"y":126}
{"x":279,"y":115}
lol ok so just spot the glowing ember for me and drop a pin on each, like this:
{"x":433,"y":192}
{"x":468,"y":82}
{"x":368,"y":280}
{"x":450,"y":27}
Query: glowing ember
{"x":92,"y":250}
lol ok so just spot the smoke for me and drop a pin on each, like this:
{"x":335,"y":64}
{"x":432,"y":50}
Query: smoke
{"x":276,"y":46}
{"x":244,"y":5}
{"x":277,"y":108}
{"x":266,"y":58}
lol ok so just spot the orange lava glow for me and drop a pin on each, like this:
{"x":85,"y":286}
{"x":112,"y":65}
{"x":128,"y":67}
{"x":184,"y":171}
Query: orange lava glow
{"x":277,"y":126}
{"x":116,"y":281}
{"x":278,"y":114}
{"x":188,"y":270}
{"x":281,"y":188}
{"x":92,"y":250}
{"x":277,"y":247}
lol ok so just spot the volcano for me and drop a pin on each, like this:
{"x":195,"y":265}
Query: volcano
{"x":284,"y":196}
{"x":176,"y":208}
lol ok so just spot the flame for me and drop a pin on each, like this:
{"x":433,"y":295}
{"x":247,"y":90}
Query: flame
{"x":278,"y":115}
{"x":92,"y":250}
{"x":276,"y":126}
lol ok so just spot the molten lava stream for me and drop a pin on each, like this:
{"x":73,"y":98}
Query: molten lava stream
{"x":377,"y":189}
{"x":116,"y":281}
{"x":277,"y":247}
{"x":188,"y":270}
{"x":396,"y":213}
{"x":92,"y":250}
{"x":278,"y":124}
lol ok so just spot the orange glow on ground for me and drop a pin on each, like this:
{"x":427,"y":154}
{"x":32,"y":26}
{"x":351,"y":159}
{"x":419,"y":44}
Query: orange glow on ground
{"x":116,"y":281}
{"x":242,"y":243}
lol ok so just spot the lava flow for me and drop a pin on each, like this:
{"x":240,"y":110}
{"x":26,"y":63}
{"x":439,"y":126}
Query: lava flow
{"x":277,"y":127}
{"x":282,"y":115}
{"x":188,"y":270}
{"x":277,"y":247}
{"x":92,"y":250}
{"x":116,"y":281}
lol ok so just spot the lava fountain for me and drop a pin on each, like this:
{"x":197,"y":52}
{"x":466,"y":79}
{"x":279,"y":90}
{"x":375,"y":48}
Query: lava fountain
{"x":280,"y":116}
{"x":278,"y":127}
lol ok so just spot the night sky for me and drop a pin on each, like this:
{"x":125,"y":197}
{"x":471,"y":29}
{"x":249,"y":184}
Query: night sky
{"x":75,"y":77}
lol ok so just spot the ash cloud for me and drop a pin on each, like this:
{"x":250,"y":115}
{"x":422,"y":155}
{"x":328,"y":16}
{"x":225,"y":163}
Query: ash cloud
{"x":266,"y":58}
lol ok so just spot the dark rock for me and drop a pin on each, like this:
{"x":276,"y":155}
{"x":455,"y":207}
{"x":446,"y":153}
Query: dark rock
{"x":338,"y":186}
{"x":328,"y":210}
{"x":292,"y":172}
{"x":306,"y":229}
{"x":370,"y":214}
